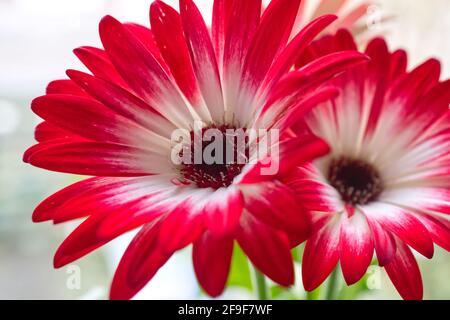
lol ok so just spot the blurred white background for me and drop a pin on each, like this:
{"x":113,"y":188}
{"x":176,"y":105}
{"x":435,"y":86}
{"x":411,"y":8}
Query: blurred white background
{"x":36,"y":42}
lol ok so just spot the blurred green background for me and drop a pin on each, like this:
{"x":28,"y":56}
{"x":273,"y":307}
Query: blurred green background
{"x":36,"y":39}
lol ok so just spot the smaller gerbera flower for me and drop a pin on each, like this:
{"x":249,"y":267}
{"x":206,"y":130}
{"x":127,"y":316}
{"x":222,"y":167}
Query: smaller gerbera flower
{"x":385,"y":185}
{"x":146,"y":85}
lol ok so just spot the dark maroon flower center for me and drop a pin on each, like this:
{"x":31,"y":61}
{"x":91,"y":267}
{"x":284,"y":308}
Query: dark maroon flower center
{"x":357,"y":181}
{"x":216,"y":159}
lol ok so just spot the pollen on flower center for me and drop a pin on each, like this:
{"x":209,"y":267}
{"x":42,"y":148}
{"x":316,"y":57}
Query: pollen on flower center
{"x":357,"y":181}
{"x":227,"y":156}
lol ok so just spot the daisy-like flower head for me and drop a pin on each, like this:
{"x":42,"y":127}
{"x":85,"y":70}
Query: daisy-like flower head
{"x":182,"y":80}
{"x":385,"y":185}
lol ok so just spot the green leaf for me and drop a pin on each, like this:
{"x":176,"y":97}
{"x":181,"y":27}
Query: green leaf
{"x":314,"y":295}
{"x":281,"y":293}
{"x":297,"y":253}
{"x":354,"y":291}
{"x":240,"y":274}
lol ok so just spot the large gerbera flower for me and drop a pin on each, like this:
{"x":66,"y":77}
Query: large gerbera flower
{"x":385,"y":184}
{"x":117,"y":124}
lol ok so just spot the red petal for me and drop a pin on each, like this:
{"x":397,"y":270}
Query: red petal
{"x":405,"y":274}
{"x":223,"y":211}
{"x":97,"y":61}
{"x":97,"y":159}
{"x":42,"y":146}
{"x":314,"y":194}
{"x":384,"y":242}
{"x":46,"y":209}
{"x":203,"y":58}
{"x":244,"y":20}
{"x":46,"y":131}
{"x":221,"y":16}
{"x":304,"y":105}
{"x":318,"y":71}
{"x":124,"y":103}
{"x":439,"y":229}
{"x":168,"y":31}
{"x":272,"y":34}
{"x":321,"y":255}
{"x":142,"y":71}
{"x":180,"y":228}
{"x":212,"y":258}
{"x":299,"y":151}
{"x":93,"y":120}
{"x":356,"y":247}
{"x":376,"y":77}
{"x":276,"y":205}
{"x":268,"y":249}
{"x":297,"y":46}
{"x":145,"y":35}
{"x":86,"y":239}
{"x":399,"y":63}
{"x":414,"y":84}
{"x":140,"y":262}
{"x":65,"y":87}
{"x":80,"y":242}
{"x":402,"y":224}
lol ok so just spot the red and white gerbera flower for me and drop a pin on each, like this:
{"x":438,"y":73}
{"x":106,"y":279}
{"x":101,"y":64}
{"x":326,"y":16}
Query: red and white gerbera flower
{"x":116,"y":126}
{"x":385,"y":185}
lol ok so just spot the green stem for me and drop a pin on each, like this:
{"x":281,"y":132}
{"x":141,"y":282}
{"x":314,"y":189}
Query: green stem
{"x":332,"y":285}
{"x":313,"y":295}
{"x":261,"y":285}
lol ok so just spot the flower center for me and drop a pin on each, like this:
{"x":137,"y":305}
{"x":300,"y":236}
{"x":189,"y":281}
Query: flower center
{"x":216,"y":156}
{"x":357,"y":181}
